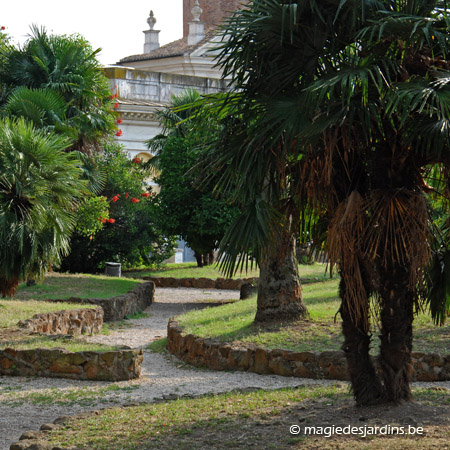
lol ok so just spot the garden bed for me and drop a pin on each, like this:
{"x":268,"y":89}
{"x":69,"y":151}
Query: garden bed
{"x":225,"y":338}
{"x":233,"y":323}
{"x":31,"y":350}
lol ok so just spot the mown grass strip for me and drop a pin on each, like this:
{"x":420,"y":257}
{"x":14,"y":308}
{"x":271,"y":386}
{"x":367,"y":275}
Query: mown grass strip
{"x":62,"y":286}
{"x":308,"y":273}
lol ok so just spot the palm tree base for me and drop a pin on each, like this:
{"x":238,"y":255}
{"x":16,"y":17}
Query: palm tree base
{"x":8,"y":287}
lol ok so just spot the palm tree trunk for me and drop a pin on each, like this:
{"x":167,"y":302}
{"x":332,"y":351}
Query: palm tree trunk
{"x":396,"y":332}
{"x":8,"y":287}
{"x":279,"y":289}
{"x":366,"y":386}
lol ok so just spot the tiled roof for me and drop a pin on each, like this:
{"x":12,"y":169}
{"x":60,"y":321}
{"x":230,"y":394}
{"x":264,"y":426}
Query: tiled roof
{"x":175,"y":48}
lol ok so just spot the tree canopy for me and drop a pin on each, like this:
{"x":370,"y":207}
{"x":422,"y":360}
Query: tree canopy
{"x":187,"y":204}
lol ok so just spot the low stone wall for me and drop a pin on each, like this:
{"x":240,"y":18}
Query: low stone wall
{"x":105,"y":366}
{"x":200,"y":283}
{"x":116,"y":308}
{"x":216,"y":355}
{"x":75,"y":322}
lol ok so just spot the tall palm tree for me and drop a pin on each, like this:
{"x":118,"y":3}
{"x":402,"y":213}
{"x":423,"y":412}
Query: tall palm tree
{"x":40,"y":186}
{"x":356,"y":94}
{"x":270,"y":58}
{"x":68,"y":66}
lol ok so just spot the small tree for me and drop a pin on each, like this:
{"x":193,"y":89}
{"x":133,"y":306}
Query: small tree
{"x":40,"y":187}
{"x":187,"y":205}
{"x":130,"y":234}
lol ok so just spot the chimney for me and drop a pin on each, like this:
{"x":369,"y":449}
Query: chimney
{"x":151,"y":36}
{"x":196,"y":27}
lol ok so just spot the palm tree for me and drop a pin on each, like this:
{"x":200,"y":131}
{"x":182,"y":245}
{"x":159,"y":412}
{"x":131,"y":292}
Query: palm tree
{"x":354,"y":97}
{"x":68,"y":66}
{"x":40,"y":186}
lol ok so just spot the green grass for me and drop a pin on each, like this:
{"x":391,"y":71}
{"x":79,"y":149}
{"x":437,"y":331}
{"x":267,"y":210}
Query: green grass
{"x":234,"y":323}
{"x":158,"y":346}
{"x":257,"y":419}
{"x":148,"y":426}
{"x":32,"y":341}
{"x":11,"y":311}
{"x":308,"y":273}
{"x":64,"y":286}
{"x":83,"y":396}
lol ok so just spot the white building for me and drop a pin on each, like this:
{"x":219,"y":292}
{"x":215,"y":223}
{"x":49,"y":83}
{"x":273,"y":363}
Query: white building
{"x":146,"y":82}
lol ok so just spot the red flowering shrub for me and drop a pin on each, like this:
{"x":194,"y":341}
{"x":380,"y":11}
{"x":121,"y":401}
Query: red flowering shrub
{"x":110,"y":220}
{"x":135,"y":200}
{"x":119,"y":133}
{"x":145,"y":194}
{"x":115,"y":198}
{"x":119,"y":120}
{"x":137,"y":160}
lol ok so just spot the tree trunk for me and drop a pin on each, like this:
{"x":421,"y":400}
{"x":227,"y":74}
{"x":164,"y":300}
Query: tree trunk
{"x":199,"y":259}
{"x":8,"y":287}
{"x":212,"y":257}
{"x":366,"y":386}
{"x":396,"y":332}
{"x":279,"y":289}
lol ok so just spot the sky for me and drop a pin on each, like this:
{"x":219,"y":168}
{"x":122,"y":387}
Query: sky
{"x":114,"y":26}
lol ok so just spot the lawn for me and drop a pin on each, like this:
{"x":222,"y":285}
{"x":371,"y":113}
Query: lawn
{"x":28,"y":301}
{"x":258,"y":419}
{"x":308,"y":273}
{"x":20,"y":340}
{"x":63,"y":286}
{"x":12,"y":311}
{"x":234,"y":323}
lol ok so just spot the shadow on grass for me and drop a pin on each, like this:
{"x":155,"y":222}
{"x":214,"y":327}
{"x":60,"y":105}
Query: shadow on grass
{"x":260,"y":420}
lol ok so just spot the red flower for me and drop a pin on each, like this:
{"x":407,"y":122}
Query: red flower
{"x":135,"y":200}
{"x":116,"y":105}
{"x":145,"y":194}
{"x":113,"y":96}
{"x":3,"y":28}
{"x":137,"y":160}
{"x":111,"y":220}
{"x":119,"y":120}
{"x":126,"y":194}
{"x":119,"y":133}
{"x":115,"y":198}
{"x":102,"y":220}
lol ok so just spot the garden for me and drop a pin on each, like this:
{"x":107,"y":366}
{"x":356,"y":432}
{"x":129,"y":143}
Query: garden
{"x":319,"y":184}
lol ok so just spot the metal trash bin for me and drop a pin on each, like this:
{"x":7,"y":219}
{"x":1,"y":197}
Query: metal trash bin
{"x":113,"y":269}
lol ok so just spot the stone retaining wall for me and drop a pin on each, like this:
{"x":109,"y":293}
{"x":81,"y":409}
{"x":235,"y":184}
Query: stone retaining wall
{"x":216,"y":355}
{"x":106,"y":366}
{"x":75,"y":322}
{"x":200,"y":283}
{"x":116,"y":308}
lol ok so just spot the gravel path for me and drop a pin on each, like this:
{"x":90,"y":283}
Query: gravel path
{"x":23,"y":404}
